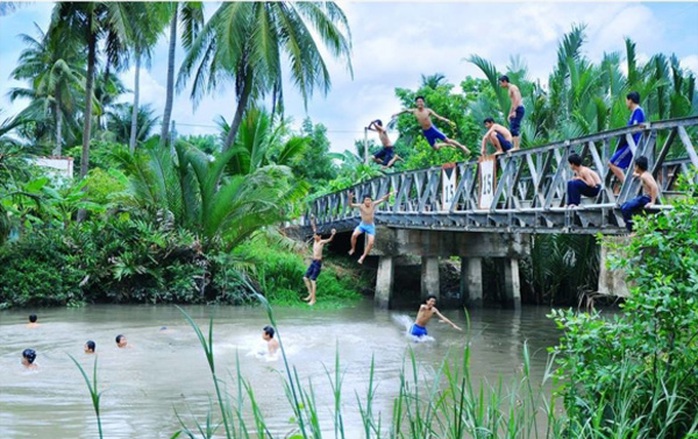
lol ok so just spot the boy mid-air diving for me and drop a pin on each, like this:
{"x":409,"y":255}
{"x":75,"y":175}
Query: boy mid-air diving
{"x":386,"y":156}
{"x":431,"y":133}
{"x":367,"y":210}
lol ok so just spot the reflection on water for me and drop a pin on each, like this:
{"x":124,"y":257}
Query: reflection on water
{"x":164,"y":370}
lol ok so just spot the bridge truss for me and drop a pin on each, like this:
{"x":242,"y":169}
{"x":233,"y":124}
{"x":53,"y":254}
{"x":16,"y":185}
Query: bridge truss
{"x":529,"y":196}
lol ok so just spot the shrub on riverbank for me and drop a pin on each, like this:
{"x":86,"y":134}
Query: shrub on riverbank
{"x":129,"y":260}
{"x":640,"y":368}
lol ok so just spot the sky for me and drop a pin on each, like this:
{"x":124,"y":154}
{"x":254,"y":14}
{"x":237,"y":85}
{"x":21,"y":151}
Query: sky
{"x":394,"y":43}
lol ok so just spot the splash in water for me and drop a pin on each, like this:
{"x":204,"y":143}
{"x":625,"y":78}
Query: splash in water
{"x":406,"y":322}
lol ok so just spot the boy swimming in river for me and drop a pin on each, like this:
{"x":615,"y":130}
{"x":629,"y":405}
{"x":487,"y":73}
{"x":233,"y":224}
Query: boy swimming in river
{"x":32,"y":321}
{"x":425,"y":313}
{"x":28,"y":357}
{"x":272,"y":343}
{"x":90,"y":347}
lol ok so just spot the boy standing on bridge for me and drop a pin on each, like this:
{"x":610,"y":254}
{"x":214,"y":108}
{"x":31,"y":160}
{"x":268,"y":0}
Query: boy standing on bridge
{"x":315,"y":266}
{"x":367,"y":210}
{"x":425,"y":313}
{"x":497,"y":135}
{"x":516,"y":112}
{"x":624,"y":155}
{"x":386,"y":156}
{"x":650,"y":191}
{"x":585,"y":182}
{"x":431,"y":133}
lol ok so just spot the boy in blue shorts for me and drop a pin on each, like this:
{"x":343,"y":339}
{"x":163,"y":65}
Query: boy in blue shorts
{"x":497,"y":135}
{"x":315,"y":266}
{"x":623,"y":156}
{"x":431,"y":133}
{"x":367,"y":210}
{"x":425,"y":313}
{"x":386,"y":157}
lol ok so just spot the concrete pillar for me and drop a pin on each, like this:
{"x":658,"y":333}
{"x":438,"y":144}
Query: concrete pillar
{"x":384,"y":282}
{"x":430,"y":276}
{"x":512,"y":285}
{"x":471,"y":281}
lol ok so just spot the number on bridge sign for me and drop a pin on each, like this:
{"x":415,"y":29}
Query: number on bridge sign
{"x":449,"y":192}
{"x":487,"y":189}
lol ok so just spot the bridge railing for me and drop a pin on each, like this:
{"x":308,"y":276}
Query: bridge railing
{"x":530,"y":188}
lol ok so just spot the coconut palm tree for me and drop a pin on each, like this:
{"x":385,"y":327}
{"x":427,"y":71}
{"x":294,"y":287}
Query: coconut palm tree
{"x":55,"y":71}
{"x":119,"y":123}
{"x":151,"y":21}
{"x":193,"y":191}
{"x":92,"y":23}
{"x":191,"y":15}
{"x":244,"y":42}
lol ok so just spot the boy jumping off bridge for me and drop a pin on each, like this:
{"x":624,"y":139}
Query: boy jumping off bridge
{"x":386,"y":156}
{"x":367,"y":210}
{"x":431,"y":133}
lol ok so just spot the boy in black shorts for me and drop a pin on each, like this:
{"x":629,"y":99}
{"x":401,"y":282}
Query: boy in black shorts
{"x":386,"y":156}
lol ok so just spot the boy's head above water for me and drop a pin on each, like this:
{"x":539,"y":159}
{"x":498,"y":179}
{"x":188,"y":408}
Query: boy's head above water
{"x":268,"y":333}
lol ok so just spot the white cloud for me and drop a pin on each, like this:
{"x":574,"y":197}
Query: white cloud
{"x":691,"y":63}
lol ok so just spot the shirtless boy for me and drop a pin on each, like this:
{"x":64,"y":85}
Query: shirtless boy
{"x":426,"y":312}
{"x":272,"y":343}
{"x":585,"y":182}
{"x":386,"y":156}
{"x":315,"y":266}
{"x":367,"y":209}
{"x":497,"y":135}
{"x":32,"y":321}
{"x":431,"y":133}
{"x":649,"y":193}
{"x":516,"y":112}
{"x":28,"y":357}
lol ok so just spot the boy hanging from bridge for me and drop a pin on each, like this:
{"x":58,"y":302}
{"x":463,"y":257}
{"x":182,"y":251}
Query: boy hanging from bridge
{"x":386,"y":156}
{"x":367,"y":210}
{"x":315,"y":266}
{"x":431,"y":133}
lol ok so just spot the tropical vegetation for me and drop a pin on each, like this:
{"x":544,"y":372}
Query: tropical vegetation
{"x":195,"y":202}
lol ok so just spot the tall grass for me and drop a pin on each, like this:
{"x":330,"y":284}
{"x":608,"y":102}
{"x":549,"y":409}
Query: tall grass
{"x":92,"y":388}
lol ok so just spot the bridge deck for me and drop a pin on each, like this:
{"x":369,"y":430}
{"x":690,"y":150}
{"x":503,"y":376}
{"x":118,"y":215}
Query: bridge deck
{"x":529,"y":195}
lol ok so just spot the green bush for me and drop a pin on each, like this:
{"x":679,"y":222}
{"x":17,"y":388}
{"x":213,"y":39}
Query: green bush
{"x":642,"y":364}
{"x":36,"y":271}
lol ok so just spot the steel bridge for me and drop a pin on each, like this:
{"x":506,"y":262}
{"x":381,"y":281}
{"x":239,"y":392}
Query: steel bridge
{"x":529,"y":195}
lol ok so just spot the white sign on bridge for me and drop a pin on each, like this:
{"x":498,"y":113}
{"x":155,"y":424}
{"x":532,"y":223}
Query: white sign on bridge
{"x":449,"y":183}
{"x":488,"y":181}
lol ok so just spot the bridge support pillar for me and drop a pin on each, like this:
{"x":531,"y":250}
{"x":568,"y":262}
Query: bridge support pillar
{"x":430,"y":276}
{"x":512,"y":284}
{"x":471,"y":281}
{"x":384,"y":282}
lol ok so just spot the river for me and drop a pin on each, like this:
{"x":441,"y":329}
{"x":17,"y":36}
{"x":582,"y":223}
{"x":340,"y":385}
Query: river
{"x":165,"y":370}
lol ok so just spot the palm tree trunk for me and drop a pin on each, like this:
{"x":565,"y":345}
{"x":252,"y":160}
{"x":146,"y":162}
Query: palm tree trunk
{"x":134,"y":112}
{"x":87,"y":128}
{"x":239,"y":112}
{"x":59,"y":129}
{"x":165,"y":130}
